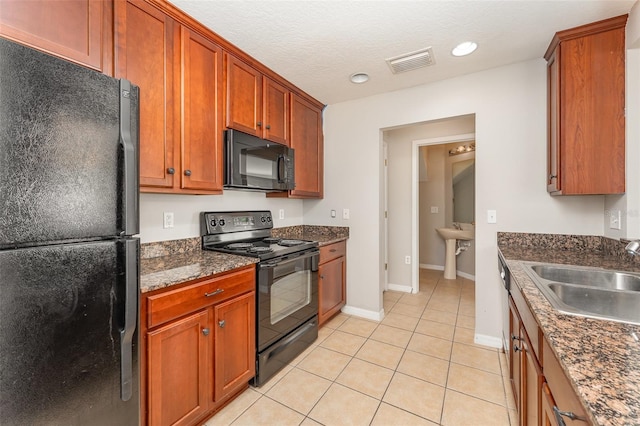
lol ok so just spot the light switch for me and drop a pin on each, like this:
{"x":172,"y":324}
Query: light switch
{"x":281,"y":213}
{"x":434,"y":209}
{"x":491,"y":216}
{"x":333,"y":213}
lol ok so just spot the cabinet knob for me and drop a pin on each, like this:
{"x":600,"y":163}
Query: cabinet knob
{"x":171,"y":170}
{"x":551,"y":177}
{"x":514,"y":337}
{"x":516,"y":348}
{"x":205,"y":331}
{"x":322,"y":277}
{"x":268,"y":126}
{"x":187,"y":172}
{"x":221,"y":323}
{"x":259,"y":124}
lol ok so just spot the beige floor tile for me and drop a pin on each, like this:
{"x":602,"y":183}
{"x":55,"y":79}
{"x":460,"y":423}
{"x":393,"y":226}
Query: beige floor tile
{"x":414,"y":299}
{"x":400,"y":321}
{"x":392,"y":296}
{"x":472,"y":356}
{"x":430,"y":345}
{"x":310,"y":422}
{"x":380,"y":353}
{"x":388,"y":415}
{"x":466,"y":321}
{"x":268,"y":412}
{"x":452,"y":294}
{"x":460,"y":409}
{"x":424,"y":367}
{"x":416,"y":396}
{"x":408,"y":310}
{"x":513,"y":417}
{"x":366,"y":377}
{"x":337,"y":321}
{"x":324,"y":363}
{"x":445,"y":299}
{"x":299,"y":390}
{"x":467,"y":308}
{"x":464,"y":335}
{"x":235,"y":408}
{"x":275,"y":379}
{"x":440,"y":306}
{"x":478,"y":383}
{"x":436,"y":329}
{"x":323,"y":333}
{"x":387,"y":306}
{"x":391,"y":335}
{"x":344,"y":406}
{"x":440,"y":316}
{"x":508,"y":390}
{"x":345,"y":343}
{"x":358,"y":326}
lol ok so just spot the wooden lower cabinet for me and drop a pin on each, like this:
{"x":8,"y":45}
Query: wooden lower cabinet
{"x":332,"y":281}
{"x":199,"y":346}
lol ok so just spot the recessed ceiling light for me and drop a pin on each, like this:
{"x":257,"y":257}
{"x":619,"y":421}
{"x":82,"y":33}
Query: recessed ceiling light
{"x":359,"y":78}
{"x":464,"y":49}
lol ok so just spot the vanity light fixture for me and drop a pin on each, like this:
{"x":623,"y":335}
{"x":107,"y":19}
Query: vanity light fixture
{"x":463,"y":149}
{"x":359,"y":78}
{"x":464,"y":49}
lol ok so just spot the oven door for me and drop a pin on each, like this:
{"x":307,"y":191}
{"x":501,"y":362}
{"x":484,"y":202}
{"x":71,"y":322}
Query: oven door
{"x":287,"y":295}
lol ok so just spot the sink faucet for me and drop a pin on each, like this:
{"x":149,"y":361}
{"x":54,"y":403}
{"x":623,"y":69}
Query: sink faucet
{"x":633,"y":248}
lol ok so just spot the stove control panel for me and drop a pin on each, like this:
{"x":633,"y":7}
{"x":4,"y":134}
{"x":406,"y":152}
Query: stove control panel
{"x":212,"y":223}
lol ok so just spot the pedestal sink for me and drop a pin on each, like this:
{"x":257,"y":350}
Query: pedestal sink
{"x":450,"y":235}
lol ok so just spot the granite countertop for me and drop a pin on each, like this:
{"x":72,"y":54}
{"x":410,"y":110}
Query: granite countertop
{"x":600,"y":357}
{"x":167,"y":263}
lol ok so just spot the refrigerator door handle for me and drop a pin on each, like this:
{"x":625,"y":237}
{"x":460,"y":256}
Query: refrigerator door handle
{"x":130,"y":184}
{"x":130,"y":319}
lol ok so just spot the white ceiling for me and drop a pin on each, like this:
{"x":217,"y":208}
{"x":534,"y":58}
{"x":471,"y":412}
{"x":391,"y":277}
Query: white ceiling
{"x":318,"y":44}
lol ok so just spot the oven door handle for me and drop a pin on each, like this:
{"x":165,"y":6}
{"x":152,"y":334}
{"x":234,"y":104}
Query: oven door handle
{"x":288,"y":259}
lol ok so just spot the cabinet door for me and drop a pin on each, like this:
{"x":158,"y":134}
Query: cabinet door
{"x":235,"y":344}
{"x":77,"y":30}
{"x":244,"y":97}
{"x":331,"y":288}
{"x":275,"y":111}
{"x":202,"y":111}
{"x":515,"y":362}
{"x":146,"y":47}
{"x":531,"y":384}
{"x":554,"y":177}
{"x":179,"y":371}
{"x":306,"y":140}
{"x":548,"y":417}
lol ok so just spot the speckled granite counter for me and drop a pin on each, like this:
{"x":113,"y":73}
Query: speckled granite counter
{"x":166,"y":263}
{"x":601,"y":358}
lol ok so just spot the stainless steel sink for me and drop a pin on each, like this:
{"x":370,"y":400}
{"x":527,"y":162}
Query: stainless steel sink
{"x":589,"y":292}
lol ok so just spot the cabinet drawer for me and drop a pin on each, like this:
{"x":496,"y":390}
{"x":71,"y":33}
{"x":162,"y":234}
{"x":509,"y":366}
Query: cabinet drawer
{"x":332,"y":251}
{"x":172,"y":304}
{"x":562,"y":392}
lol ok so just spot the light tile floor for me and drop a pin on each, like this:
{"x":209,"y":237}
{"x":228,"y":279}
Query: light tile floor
{"x":418,"y":366}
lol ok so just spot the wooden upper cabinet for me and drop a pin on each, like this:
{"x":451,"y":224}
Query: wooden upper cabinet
{"x":77,"y":30}
{"x":586,"y":95}
{"x":275,"y":111}
{"x":306,"y":140}
{"x":244,"y":96}
{"x":201,"y":113}
{"x":147,"y":46}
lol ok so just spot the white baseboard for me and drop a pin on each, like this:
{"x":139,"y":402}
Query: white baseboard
{"x":363,"y":313}
{"x":491,"y":341}
{"x":441,"y":268}
{"x":467,"y":276}
{"x":399,"y":287}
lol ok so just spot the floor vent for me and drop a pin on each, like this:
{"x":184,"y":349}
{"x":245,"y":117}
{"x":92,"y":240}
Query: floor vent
{"x":411,"y":61}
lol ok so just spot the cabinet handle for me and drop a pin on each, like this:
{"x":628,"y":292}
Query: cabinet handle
{"x":171,"y":170}
{"x":268,"y":126}
{"x":187,"y":172}
{"x":333,"y":251}
{"x":516,"y":348}
{"x":514,"y":337}
{"x":322,"y":277}
{"x":551,"y":177}
{"x":568,"y":414}
{"x":221,"y":323}
{"x":259,"y":123}
{"x":213,"y":293}
{"x":205,"y":331}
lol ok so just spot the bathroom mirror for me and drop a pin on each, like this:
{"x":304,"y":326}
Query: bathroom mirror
{"x":463,"y":181}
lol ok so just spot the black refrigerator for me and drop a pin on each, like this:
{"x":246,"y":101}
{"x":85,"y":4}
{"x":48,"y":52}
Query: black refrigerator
{"x":68,"y":252}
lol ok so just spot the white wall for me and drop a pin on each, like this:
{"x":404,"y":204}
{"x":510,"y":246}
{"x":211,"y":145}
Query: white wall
{"x":187,"y":208}
{"x":510,"y":107}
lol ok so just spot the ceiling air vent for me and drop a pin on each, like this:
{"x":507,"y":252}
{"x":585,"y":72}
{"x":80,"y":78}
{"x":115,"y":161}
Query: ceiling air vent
{"x":411,"y":61}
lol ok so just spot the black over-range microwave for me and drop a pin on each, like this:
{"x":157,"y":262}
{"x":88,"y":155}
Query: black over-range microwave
{"x":257,"y":164}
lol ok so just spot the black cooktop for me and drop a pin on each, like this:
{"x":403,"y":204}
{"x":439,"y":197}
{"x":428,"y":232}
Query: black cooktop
{"x":262,"y":248}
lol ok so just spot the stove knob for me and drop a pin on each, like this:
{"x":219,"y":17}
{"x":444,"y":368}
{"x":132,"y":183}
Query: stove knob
{"x":213,"y":222}
{"x":221,"y":222}
{"x":262,"y":219}
{"x":268,"y":218}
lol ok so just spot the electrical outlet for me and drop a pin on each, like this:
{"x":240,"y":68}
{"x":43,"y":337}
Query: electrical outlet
{"x":281,"y":213}
{"x":407,"y":260}
{"x":168,"y":220}
{"x":345,"y":213}
{"x":614,"y":219}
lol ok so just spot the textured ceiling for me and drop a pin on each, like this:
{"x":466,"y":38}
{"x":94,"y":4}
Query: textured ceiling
{"x":317,"y":45}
